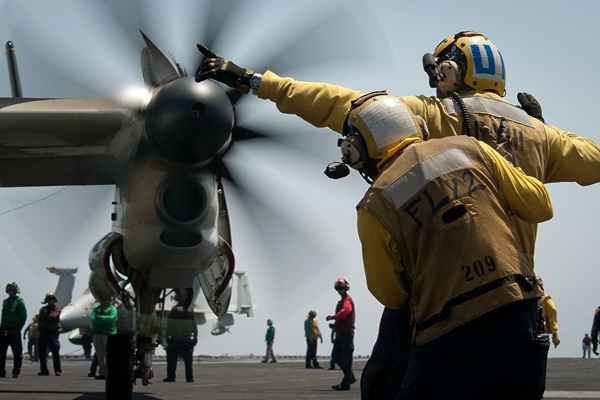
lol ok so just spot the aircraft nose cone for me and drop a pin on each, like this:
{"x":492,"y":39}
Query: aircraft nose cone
{"x":190,"y":122}
{"x":72,"y":318}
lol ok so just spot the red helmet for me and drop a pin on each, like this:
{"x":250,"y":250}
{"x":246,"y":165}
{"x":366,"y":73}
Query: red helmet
{"x":341,"y":283}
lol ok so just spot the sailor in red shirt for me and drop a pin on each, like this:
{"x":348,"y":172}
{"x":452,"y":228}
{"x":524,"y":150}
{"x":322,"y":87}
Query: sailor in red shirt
{"x":344,"y":317}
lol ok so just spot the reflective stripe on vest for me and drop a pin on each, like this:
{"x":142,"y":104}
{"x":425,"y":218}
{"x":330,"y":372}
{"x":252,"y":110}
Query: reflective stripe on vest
{"x":387,"y":120}
{"x":484,"y":105}
{"x":415,"y":180}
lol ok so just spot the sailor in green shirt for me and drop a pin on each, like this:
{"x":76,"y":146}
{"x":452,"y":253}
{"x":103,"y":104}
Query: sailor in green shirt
{"x":270,"y":338}
{"x":103,"y":321}
{"x":13,"y":319}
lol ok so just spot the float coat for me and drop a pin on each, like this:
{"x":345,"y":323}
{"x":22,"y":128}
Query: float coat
{"x":445,"y":210}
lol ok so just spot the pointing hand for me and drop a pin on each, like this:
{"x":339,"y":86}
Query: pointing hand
{"x":222,"y":70}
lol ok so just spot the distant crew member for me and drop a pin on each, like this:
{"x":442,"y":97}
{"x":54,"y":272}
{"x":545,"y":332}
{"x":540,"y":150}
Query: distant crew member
{"x":182,"y":337}
{"x":32,"y":334}
{"x":332,"y":357}
{"x":344,"y":317}
{"x":269,"y":339}
{"x":586,"y":343}
{"x":312,"y":334}
{"x":103,"y":321}
{"x":49,"y":319}
{"x":14,"y":315}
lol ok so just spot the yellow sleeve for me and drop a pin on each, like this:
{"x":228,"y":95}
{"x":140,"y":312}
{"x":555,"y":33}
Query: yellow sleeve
{"x":381,"y":261}
{"x":320,"y":104}
{"x":551,"y":314}
{"x":526,"y":195}
{"x":572,"y":158}
{"x":316,"y":330}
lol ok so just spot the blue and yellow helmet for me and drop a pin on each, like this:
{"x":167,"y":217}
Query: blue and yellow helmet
{"x":483,"y":64}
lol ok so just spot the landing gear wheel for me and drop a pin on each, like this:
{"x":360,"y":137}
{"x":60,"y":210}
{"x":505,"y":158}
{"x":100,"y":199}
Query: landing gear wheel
{"x":119,"y":366}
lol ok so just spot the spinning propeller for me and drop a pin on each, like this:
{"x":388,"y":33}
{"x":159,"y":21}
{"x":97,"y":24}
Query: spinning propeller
{"x":99,"y":50}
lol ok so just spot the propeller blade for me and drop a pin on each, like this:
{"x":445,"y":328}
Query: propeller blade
{"x":215,"y":20}
{"x":222,"y":171}
{"x":90,"y":49}
{"x":234,"y":95}
{"x":287,"y":43}
{"x":273,"y":215}
{"x":157,"y":68}
{"x":240,"y":134}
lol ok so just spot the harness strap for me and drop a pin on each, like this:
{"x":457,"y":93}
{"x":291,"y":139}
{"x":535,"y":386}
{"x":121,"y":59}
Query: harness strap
{"x":526,"y":283}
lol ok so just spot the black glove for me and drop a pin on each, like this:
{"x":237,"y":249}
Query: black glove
{"x":530,"y":105}
{"x":219,"y":69}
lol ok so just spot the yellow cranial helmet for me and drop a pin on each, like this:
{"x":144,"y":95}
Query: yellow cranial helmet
{"x":383,"y":122}
{"x":377,"y":127}
{"x":480,"y":59}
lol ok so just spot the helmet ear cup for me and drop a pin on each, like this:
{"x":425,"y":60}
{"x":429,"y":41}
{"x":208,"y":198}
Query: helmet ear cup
{"x":450,"y":77}
{"x":354,"y":151}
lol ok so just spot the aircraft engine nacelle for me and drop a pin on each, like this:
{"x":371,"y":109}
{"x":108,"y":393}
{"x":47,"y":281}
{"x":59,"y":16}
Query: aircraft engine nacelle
{"x":168,"y":219}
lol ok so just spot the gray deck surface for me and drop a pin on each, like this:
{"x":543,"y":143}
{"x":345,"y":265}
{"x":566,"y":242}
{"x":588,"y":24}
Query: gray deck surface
{"x":567,"y":379}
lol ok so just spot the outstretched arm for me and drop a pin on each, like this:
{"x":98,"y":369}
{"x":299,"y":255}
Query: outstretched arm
{"x":573,"y":158}
{"x":320,"y":104}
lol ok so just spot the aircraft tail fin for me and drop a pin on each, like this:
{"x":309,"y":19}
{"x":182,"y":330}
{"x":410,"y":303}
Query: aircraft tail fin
{"x":244,"y":298}
{"x":65,"y":285}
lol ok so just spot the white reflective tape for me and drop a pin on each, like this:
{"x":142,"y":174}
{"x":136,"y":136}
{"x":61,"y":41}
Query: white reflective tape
{"x":415,"y":180}
{"x":484,"y":105}
{"x":571,"y":394}
{"x":449,"y":106}
{"x":388,"y":119}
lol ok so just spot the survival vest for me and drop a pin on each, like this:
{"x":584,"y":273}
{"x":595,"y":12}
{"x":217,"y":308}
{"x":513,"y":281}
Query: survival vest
{"x":461,"y":253}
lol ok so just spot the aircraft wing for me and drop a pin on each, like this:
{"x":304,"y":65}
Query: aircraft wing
{"x":47,"y":142}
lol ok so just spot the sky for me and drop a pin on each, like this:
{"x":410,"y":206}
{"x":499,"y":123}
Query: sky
{"x":297,"y":231}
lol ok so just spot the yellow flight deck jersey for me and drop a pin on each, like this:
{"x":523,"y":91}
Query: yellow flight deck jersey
{"x":543,"y":151}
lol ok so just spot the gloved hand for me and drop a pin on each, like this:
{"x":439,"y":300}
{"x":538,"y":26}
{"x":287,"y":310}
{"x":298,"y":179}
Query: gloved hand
{"x":530,"y":105}
{"x":222,"y":70}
